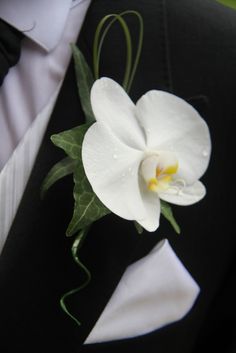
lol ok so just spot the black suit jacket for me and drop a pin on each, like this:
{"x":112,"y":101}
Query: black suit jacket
{"x":190,"y":50}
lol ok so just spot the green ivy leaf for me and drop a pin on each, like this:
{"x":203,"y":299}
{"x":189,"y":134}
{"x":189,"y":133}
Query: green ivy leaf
{"x":71,"y":140}
{"x":85,"y":80}
{"x":138,"y":227}
{"x":61,"y":169}
{"x":168,"y":214}
{"x":230,"y":3}
{"x":88,"y":208}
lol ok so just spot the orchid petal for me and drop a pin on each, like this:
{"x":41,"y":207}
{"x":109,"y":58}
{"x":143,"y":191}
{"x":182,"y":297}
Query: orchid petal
{"x":186,"y":196}
{"x":173,"y":125}
{"x":152,"y":205}
{"x":113,"y":107}
{"x":112,"y":170}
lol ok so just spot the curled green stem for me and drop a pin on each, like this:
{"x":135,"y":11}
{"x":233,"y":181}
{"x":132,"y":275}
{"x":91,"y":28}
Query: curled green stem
{"x":139,"y":47}
{"x":74,"y":250}
{"x":98,"y":44}
{"x":99,"y":40}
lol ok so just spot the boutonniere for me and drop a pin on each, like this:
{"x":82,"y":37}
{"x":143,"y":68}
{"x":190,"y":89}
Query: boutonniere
{"x":134,"y":160}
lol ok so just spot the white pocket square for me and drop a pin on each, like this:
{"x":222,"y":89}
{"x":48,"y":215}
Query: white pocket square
{"x":153,"y":292}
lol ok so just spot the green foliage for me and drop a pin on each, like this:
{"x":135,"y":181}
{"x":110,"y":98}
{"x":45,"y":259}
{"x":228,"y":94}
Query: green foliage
{"x":61,"y":169}
{"x":77,"y":243}
{"x":71,"y":140}
{"x":168,"y":214}
{"x":88,"y":208}
{"x":138,"y":227}
{"x":230,"y":3}
{"x":85,"y":80}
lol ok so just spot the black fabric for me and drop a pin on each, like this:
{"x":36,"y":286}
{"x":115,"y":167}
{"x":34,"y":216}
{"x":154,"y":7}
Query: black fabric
{"x":186,"y":46}
{"x":10,"y":45}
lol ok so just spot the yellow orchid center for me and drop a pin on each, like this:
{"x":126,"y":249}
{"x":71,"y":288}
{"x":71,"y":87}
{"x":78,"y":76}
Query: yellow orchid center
{"x":158,"y":171}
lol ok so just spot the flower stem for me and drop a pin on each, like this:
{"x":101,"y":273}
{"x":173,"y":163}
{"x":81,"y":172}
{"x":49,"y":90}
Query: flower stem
{"x":99,"y":39}
{"x":139,"y":47}
{"x":74,"y":249}
{"x":99,"y":43}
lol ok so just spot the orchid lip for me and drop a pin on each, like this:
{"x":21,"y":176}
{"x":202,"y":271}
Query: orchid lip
{"x":158,"y":171}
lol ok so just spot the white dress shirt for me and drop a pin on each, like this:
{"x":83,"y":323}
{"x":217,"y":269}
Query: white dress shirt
{"x":27,"y":98}
{"x":44,"y":59}
{"x":29,"y":91}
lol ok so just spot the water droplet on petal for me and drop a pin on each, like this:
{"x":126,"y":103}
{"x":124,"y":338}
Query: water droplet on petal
{"x":205,"y":153}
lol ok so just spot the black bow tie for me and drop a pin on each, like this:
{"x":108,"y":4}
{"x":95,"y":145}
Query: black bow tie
{"x":10,"y":41}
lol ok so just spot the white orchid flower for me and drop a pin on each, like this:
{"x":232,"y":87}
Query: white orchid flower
{"x":136,"y":155}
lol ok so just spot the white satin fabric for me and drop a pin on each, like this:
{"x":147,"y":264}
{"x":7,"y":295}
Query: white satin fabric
{"x":153,"y":292}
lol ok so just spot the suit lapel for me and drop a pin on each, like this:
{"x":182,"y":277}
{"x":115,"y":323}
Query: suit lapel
{"x":34,"y":267}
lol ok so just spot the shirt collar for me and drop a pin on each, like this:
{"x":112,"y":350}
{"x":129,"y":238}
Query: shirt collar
{"x":42,"y":21}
